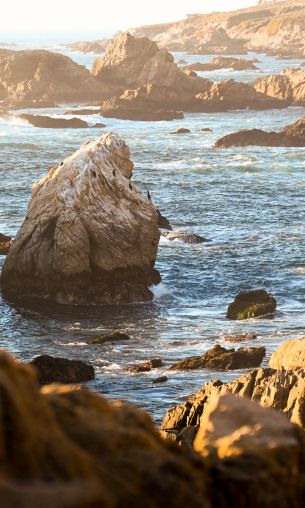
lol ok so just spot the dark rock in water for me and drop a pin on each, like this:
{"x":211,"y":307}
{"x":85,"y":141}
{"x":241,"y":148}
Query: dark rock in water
{"x":241,"y":337}
{"x":89,"y":236}
{"x":146,"y":366}
{"x":221,"y":62}
{"x":221,"y":358}
{"x":61,"y":370}
{"x":181,"y":131}
{"x":206,"y":129}
{"x":47,"y":122}
{"x":251,"y":304}
{"x":112,"y":337}
{"x":292,"y":135}
{"x":181,"y":62}
{"x":98,"y":125}
{"x":163,"y":222}
{"x":83,"y":112}
{"x":5,"y":243}
{"x":184,"y":237}
{"x":161,"y":379}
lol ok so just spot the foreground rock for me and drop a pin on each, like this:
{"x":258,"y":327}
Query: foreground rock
{"x":184,"y":237}
{"x":61,"y":370}
{"x":245,"y":445}
{"x":290,"y":355}
{"x":31,"y":77}
{"x":292,"y":135}
{"x":278,"y":389}
{"x":89,"y":236}
{"x":251,"y":304}
{"x":246,"y":456}
{"x":220,"y":358}
{"x":70,"y":457}
{"x":5,"y":244}
{"x":221,"y":62}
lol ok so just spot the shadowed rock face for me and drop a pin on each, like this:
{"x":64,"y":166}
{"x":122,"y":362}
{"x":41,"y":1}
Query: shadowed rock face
{"x":67,"y":447}
{"x":61,"y":370}
{"x":89,"y":235}
{"x":31,"y":76}
{"x":5,"y":243}
{"x":250,"y":304}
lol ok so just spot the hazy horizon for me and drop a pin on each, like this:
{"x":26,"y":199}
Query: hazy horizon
{"x":66,"y":18}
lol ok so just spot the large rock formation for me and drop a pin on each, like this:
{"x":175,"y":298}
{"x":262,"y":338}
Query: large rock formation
{"x":278,"y":389}
{"x":288,"y":85}
{"x":219,"y":357}
{"x":292,"y":135}
{"x":89,"y":236}
{"x":290,"y":355}
{"x":34,"y":78}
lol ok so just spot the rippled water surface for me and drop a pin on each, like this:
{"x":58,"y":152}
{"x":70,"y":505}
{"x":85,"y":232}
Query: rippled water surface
{"x":248,"y":201}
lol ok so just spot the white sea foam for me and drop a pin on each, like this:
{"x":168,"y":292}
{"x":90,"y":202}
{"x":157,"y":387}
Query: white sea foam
{"x":159,"y":290}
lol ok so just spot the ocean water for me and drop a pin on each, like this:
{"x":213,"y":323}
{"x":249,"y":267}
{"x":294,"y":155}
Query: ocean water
{"x":248,"y":201}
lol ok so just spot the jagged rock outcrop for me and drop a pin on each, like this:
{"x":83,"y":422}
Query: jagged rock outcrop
{"x":245,"y":445}
{"x":279,"y":389}
{"x":229,"y":94}
{"x":219,"y":357}
{"x":288,"y":85}
{"x":222,"y":62}
{"x":290,"y":355}
{"x":251,"y":304}
{"x":67,"y":447}
{"x":145,"y":366}
{"x":292,"y":135}
{"x":89,"y":236}
{"x":5,"y":243}
{"x":34,"y":78}
{"x":52,"y":369}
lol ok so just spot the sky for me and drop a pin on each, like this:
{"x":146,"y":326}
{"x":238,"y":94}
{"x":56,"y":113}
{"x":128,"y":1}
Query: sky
{"x":99,"y":17}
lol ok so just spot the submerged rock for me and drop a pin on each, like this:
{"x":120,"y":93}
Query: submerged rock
{"x":161,"y":379}
{"x":89,"y":235}
{"x":241,"y":337}
{"x":112,"y":337}
{"x":222,"y":62}
{"x":182,"y":130}
{"x":146,"y":366}
{"x":220,"y":358}
{"x":61,"y":370}
{"x":251,"y":304}
{"x":5,"y":244}
{"x":290,"y":355}
{"x":48,"y":122}
{"x":184,"y":237}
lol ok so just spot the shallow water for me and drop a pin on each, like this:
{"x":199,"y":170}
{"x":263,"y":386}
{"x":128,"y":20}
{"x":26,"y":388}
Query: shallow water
{"x":248,"y":201}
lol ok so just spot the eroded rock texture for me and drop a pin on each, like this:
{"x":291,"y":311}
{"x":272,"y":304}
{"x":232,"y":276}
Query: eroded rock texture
{"x":89,"y":236}
{"x":290,"y":355}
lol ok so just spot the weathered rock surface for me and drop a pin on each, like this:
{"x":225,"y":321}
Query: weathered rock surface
{"x":68,"y":454}
{"x":245,"y":445}
{"x":279,"y":389}
{"x":219,"y":357}
{"x":31,"y":77}
{"x":222,"y":62}
{"x":184,"y":237}
{"x":216,"y":40}
{"x":97,"y":47}
{"x":292,"y":135}
{"x":5,"y":243}
{"x":288,"y":85}
{"x":290,"y":355}
{"x":61,"y":370}
{"x":146,"y":366}
{"x":251,"y":304}
{"x":89,"y":235}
